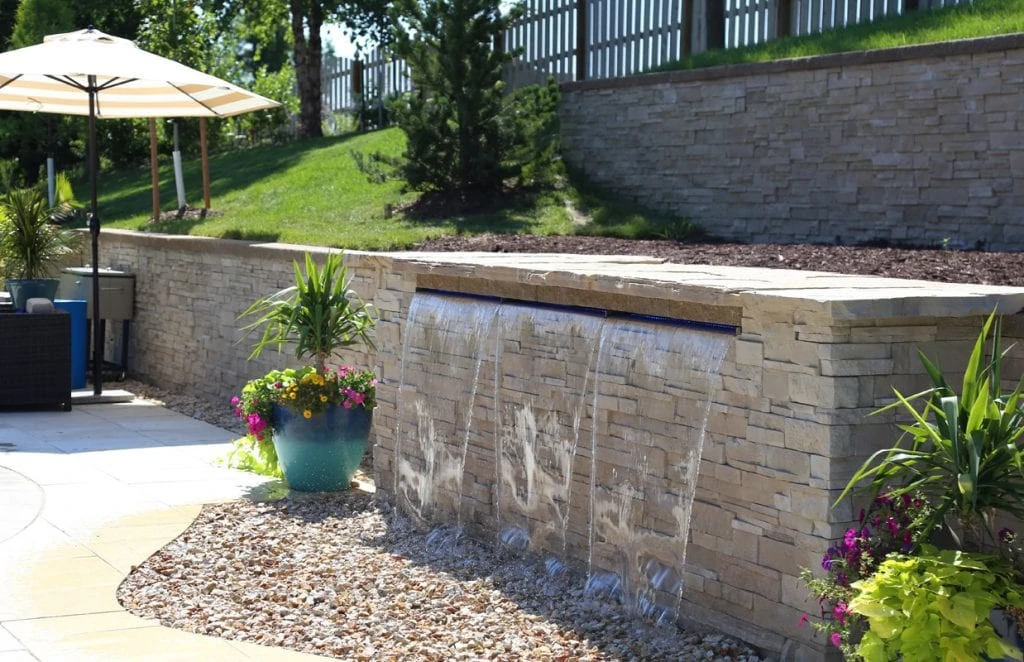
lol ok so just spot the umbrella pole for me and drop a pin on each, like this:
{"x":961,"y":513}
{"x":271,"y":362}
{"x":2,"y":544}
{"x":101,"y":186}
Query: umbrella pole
{"x":94,"y":231}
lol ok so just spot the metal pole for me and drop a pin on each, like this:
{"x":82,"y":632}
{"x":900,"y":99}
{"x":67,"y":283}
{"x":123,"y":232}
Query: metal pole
{"x":94,"y":231}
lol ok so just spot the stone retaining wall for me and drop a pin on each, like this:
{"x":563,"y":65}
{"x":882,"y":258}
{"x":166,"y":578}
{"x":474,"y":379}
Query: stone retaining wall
{"x":189,"y":292}
{"x":919,"y":145}
{"x":815,"y":353}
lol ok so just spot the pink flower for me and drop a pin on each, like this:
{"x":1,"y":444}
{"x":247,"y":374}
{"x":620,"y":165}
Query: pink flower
{"x":358,"y":398}
{"x":347,"y":404}
{"x":344,"y":370}
{"x":836,"y":639}
{"x":234,"y":401}
{"x":803,"y":620}
{"x":840,"y":611}
{"x":256,"y":424}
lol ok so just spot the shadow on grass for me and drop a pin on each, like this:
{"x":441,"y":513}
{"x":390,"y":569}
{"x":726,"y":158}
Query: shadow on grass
{"x":229,"y":171}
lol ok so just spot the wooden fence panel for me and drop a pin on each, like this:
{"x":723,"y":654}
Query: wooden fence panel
{"x":622,"y":38}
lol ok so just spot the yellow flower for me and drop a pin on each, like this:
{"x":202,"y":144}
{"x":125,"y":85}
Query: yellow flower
{"x":292,"y":396}
{"x":307,"y":413}
{"x":323,"y":398}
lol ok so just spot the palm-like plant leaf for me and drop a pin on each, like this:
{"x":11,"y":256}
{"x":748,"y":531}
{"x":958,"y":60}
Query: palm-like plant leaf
{"x":965,"y":449}
{"x":319,"y":315}
{"x":30,"y":244}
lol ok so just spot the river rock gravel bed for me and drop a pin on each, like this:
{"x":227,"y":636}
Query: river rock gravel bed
{"x":344,"y":576}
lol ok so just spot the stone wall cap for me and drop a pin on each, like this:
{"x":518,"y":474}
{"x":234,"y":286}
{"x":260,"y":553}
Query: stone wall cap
{"x":832,"y":61}
{"x":838,"y":296}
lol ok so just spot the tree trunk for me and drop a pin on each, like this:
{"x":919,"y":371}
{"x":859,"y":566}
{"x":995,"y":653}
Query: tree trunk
{"x":307,"y":18}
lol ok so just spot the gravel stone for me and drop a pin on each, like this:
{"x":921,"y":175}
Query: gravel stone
{"x":344,"y":576}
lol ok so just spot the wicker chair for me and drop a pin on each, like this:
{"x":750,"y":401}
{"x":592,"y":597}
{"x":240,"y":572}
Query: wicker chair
{"x":35,"y":359}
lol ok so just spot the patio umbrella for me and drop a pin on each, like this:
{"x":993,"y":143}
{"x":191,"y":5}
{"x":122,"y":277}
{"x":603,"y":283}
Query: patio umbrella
{"x":94,"y":74}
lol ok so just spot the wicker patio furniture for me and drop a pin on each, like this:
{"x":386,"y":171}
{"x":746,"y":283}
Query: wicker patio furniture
{"x":35,"y":359}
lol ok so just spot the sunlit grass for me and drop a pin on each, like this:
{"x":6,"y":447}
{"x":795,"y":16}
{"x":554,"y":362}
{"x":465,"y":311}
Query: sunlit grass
{"x":982,"y":18}
{"x":311,"y":192}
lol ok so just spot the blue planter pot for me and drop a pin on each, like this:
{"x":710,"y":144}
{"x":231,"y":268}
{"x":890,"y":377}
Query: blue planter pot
{"x":322,"y":453}
{"x":23,"y":289}
{"x":1007,"y":628}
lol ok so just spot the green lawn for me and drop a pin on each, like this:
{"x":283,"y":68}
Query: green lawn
{"x":983,"y":18}
{"x":311,"y":192}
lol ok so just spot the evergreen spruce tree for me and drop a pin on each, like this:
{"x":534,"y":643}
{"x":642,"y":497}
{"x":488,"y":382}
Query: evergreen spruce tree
{"x":456,"y":143}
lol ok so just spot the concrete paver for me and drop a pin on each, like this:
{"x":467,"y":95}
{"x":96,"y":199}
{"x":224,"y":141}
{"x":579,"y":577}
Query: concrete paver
{"x":84,"y":496}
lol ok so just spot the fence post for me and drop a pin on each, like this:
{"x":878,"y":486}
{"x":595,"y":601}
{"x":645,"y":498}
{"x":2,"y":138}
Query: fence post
{"x":357,"y":92}
{"x":581,"y":39}
{"x":357,"y":77}
{"x":784,"y":18}
{"x":687,"y":28}
{"x":715,"y":17}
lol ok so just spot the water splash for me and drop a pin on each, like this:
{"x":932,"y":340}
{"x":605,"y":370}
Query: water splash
{"x":442,"y":359}
{"x":539,"y":419}
{"x":651,"y":406}
{"x":515,"y":538}
{"x":640,"y":389}
{"x":443,"y":540}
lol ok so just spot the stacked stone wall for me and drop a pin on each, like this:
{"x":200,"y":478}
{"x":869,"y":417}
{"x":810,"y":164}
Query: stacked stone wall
{"x":189,"y":292}
{"x":919,"y":145}
{"x":788,"y":425}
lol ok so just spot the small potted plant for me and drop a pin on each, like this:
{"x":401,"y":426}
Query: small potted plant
{"x":310,"y":424}
{"x":31,"y":245}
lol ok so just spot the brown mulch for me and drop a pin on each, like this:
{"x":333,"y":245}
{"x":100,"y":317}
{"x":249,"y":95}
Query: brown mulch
{"x":186,"y":213}
{"x":949,"y":266}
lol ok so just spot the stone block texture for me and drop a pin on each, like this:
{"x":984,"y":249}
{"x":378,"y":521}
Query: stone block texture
{"x":812,"y":355}
{"x":916,"y":145}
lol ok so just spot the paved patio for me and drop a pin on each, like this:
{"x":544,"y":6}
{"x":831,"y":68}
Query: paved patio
{"x":84,"y":496}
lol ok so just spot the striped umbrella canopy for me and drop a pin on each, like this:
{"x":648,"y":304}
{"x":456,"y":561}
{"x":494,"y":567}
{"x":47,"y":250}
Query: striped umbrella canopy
{"x":94,"y":74}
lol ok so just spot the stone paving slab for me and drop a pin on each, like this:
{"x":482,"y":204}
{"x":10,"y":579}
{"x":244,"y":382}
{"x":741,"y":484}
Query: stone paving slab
{"x":21,"y":501}
{"x":84,"y":496}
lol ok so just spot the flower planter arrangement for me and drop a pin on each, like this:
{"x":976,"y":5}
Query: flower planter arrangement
{"x":310,"y":425}
{"x":925,"y":575}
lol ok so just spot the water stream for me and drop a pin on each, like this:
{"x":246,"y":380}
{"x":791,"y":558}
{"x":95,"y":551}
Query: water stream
{"x":520,"y":386}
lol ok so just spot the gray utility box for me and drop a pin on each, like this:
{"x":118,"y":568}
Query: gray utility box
{"x":117,"y":291}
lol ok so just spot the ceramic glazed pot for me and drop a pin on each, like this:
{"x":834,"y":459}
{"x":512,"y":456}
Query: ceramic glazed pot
{"x":1007,"y":628}
{"x":23,"y":289}
{"x":322,"y":453}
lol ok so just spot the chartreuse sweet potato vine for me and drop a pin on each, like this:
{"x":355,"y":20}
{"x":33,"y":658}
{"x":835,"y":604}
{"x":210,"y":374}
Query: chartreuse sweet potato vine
{"x":935,"y":606}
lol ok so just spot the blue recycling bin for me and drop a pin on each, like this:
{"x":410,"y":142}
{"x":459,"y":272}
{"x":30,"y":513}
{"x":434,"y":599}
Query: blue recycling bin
{"x":79,"y":333}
